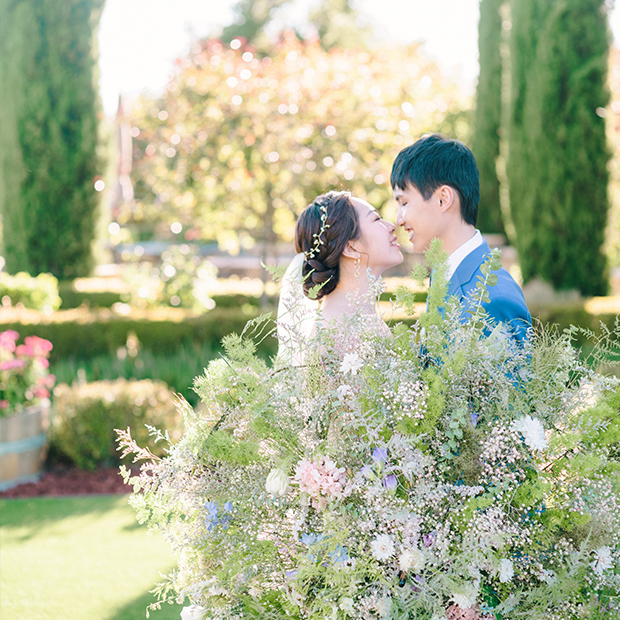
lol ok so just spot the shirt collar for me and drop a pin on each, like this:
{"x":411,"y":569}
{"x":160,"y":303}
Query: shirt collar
{"x":456,"y":258}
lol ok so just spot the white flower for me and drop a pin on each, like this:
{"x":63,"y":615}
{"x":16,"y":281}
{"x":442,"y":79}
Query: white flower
{"x":548,"y":576}
{"x":351,"y":363}
{"x":384,"y":606}
{"x":506,"y":571}
{"x":193,"y":612}
{"x":465,"y":599}
{"x":602,"y":560}
{"x":277,"y":483}
{"x":411,"y":559}
{"x":382,"y":547}
{"x":254,"y":591}
{"x":343,"y":391}
{"x":532,"y":430}
{"x":346,"y":604}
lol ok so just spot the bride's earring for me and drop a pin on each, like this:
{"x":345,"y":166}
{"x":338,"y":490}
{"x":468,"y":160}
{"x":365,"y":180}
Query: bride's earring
{"x":357,"y":268}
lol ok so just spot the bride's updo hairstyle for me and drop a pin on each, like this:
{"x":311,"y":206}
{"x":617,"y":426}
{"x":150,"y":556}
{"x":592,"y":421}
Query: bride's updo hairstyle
{"x":322,"y":232}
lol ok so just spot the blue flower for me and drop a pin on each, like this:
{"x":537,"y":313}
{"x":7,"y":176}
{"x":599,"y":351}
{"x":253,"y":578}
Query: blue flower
{"x":390,"y":482}
{"x":379,"y":455}
{"x":367,"y":471}
{"x":213,"y":510}
{"x":339,"y":554}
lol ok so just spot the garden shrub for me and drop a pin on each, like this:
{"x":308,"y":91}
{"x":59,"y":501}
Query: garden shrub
{"x":176,"y":368}
{"x":84,"y":418}
{"x":31,"y":292}
{"x":93,"y":299}
{"x":83,"y":334}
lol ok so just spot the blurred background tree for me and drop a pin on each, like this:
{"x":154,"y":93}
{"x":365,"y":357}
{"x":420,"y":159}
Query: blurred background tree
{"x":251,"y":18}
{"x":48,"y":133}
{"x":239,"y":143}
{"x":488,"y":115}
{"x":558,"y":156}
{"x":338,"y":24}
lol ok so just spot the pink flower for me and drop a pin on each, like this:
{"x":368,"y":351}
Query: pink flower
{"x":40,"y":345}
{"x":23,"y":350}
{"x":321,"y":477}
{"x":41,"y":392}
{"x":12,"y":364}
{"x":4,"y":404}
{"x":7,"y":340}
{"x":309,"y":478}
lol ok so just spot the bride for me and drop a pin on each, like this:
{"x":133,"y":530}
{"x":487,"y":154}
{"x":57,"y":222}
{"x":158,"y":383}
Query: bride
{"x":342,"y":244}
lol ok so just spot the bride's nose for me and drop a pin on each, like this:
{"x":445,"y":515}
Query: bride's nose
{"x":391,"y":227}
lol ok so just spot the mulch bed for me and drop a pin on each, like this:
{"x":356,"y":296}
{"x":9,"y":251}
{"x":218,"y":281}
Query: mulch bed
{"x":66,"y":481}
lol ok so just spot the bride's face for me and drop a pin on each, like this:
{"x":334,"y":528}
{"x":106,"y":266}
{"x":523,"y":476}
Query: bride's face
{"x":377,"y":244}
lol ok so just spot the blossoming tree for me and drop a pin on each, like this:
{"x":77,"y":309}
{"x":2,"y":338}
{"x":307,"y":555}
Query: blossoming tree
{"x":239,"y":142}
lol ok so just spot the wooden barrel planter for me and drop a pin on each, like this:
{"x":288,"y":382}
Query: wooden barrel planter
{"x":23,"y":446}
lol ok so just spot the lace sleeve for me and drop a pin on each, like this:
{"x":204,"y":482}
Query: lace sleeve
{"x":296,"y":315}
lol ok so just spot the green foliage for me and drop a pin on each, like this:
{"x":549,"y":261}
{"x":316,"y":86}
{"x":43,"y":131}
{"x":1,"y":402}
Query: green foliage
{"x":72,"y":298}
{"x":48,"y":134}
{"x":176,"y":368}
{"x":84,"y":334}
{"x":182,"y":280}
{"x":488,"y":116}
{"x":338,"y":24}
{"x":84,"y":418}
{"x":28,"y":291}
{"x":250,"y":20}
{"x":558,"y":155}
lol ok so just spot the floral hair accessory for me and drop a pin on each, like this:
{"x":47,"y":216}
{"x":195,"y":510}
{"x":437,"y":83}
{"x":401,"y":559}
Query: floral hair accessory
{"x":319,"y":239}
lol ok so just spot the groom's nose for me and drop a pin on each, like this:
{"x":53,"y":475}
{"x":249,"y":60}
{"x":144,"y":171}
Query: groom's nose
{"x":400,"y":220}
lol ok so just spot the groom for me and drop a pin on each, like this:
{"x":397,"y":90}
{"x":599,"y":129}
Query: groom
{"x":435,"y":183}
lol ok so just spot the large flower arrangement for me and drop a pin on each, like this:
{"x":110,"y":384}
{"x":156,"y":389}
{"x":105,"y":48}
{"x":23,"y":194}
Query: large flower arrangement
{"x":443,"y":472}
{"x":24,"y":372}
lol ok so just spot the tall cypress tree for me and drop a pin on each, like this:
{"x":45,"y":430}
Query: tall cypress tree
{"x":487,"y":122}
{"x":558,"y":169}
{"x":48,"y":103}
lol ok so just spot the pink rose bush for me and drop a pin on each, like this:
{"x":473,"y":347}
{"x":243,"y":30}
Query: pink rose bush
{"x":24,"y":371}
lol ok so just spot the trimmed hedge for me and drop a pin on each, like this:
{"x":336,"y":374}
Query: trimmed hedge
{"x":83,"y":334}
{"x":93,"y":299}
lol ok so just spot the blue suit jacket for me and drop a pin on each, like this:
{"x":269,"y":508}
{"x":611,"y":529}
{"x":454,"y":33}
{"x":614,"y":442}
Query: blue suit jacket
{"x":506,"y":305}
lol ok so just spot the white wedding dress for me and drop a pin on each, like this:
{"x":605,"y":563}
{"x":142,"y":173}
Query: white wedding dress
{"x":297,"y":316}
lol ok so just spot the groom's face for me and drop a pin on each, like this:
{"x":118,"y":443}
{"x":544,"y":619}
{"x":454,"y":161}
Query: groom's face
{"x":420,"y":218}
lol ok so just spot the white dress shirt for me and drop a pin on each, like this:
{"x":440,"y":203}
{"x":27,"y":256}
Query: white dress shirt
{"x":457,"y":257}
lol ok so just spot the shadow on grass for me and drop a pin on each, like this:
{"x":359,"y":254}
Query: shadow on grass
{"x":136,"y":610}
{"x":33,"y":514}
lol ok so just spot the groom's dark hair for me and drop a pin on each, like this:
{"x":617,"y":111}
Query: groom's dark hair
{"x":435,"y":160}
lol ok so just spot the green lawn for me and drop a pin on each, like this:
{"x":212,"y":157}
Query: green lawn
{"x":81,"y":558}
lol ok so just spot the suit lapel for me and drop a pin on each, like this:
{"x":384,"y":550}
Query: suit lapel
{"x":467,"y":269}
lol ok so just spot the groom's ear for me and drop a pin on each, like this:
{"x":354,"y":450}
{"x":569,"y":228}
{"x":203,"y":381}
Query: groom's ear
{"x":350,"y":252}
{"x":446,"y":197}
